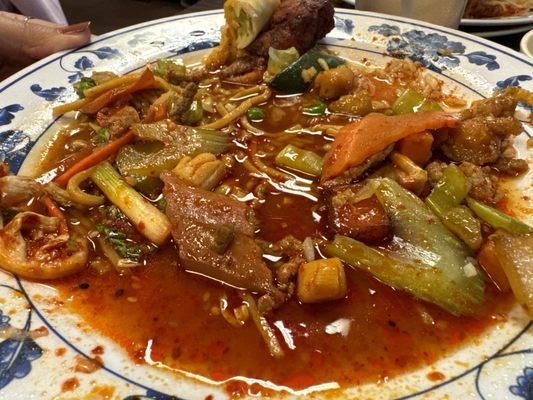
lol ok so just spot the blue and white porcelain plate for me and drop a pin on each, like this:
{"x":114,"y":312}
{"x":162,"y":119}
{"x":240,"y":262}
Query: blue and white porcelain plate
{"x":498,"y":365}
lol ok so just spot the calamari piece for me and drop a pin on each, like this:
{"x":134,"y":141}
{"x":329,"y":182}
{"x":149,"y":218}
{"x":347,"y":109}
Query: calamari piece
{"x":32,"y":246}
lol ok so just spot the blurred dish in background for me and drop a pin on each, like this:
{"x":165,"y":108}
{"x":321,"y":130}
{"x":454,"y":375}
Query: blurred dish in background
{"x":526,"y":44}
{"x":495,"y":31}
{"x":444,"y":13}
{"x":498,"y":12}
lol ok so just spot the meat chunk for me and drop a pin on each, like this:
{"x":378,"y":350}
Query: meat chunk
{"x":118,"y":121}
{"x":485,"y":130}
{"x":196,"y":216}
{"x":479,"y":140}
{"x":242,"y":66}
{"x":359,"y":217}
{"x":295,"y":23}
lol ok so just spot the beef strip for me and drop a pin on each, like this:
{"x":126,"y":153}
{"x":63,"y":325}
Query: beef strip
{"x":118,"y":121}
{"x":196,"y":216}
{"x":242,"y":66}
{"x":295,"y":23}
{"x":362,"y":219}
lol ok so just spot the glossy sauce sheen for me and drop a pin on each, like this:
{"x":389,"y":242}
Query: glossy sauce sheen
{"x":161,"y":313}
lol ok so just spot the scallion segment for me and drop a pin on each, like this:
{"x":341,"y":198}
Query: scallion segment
{"x":148,"y":220}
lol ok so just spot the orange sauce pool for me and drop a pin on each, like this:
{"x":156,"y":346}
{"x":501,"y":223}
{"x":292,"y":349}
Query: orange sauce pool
{"x":161,"y":313}
{"x":164,"y":313}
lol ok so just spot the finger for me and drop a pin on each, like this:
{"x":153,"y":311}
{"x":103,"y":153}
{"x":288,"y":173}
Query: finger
{"x":58,"y":39}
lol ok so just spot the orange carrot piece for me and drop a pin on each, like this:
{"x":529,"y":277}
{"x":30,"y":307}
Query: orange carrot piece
{"x":417,"y":147}
{"x":94,"y":158}
{"x":146,"y":80}
{"x":357,"y":141}
{"x":488,"y":259}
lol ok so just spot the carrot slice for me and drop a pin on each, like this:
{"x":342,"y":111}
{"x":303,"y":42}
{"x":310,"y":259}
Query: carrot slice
{"x":146,"y":80}
{"x":359,"y":140}
{"x":94,"y":158}
{"x":417,"y":147}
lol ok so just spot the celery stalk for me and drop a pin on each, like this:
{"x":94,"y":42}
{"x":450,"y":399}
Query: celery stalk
{"x":301,"y":160}
{"x":445,"y":199}
{"x":496,"y":218}
{"x":449,"y":192}
{"x":429,"y":261}
{"x":148,"y":220}
{"x":411,"y":101}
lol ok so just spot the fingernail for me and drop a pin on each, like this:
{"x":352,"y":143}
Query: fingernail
{"x":76,"y":28}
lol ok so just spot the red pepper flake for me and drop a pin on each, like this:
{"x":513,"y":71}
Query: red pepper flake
{"x":60,"y":351}
{"x":98,"y":350}
{"x":70,"y":384}
{"x":209,"y":397}
{"x":436,"y":376}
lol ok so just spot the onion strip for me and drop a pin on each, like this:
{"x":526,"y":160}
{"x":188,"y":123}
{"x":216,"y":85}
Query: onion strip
{"x":78,"y":195}
{"x":264,"y":328}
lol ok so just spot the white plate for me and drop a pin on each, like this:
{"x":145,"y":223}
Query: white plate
{"x":503,"y":21}
{"x":352,"y":2}
{"x":497,"y":365}
{"x":526,"y":44}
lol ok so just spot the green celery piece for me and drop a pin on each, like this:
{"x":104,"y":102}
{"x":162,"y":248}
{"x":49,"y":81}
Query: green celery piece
{"x":411,"y":101}
{"x":460,"y":221}
{"x":430,"y":261}
{"x":496,"y":218}
{"x":301,"y":160}
{"x":290,"y":80}
{"x":449,"y":192}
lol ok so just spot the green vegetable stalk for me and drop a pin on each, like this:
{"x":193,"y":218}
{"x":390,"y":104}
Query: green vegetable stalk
{"x":164,"y":66}
{"x":301,"y":160}
{"x":83,"y":85}
{"x":429,"y":261}
{"x":194,"y":114}
{"x":496,"y":218}
{"x":299,"y":75}
{"x":411,"y":101}
{"x":445,"y":199}
{"x":148,"y":220}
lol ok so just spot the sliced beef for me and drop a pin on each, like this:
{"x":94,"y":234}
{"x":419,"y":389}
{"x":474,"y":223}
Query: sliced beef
{"x":118,"y":121}
{"x":197,"y":217}
{"x":295,"y":23}
{"x":359,"y":217}
{"x":242,"y":66}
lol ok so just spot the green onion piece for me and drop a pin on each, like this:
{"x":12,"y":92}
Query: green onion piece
{"x":301,"y":160}
{"x":496,"y":218}
{"x":102,"y":135}
{"x":255,"y":114}
{"x":194,"y":114}
{"x":148,"y":220}
{"x":319,"y":108}
{"x":164,"y":65}
{"x":449,"y":192}
{"x":83,"y":85}
{"x":411,"y":101}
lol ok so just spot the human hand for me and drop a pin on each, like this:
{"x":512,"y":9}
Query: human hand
{"x":24,"y":40}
